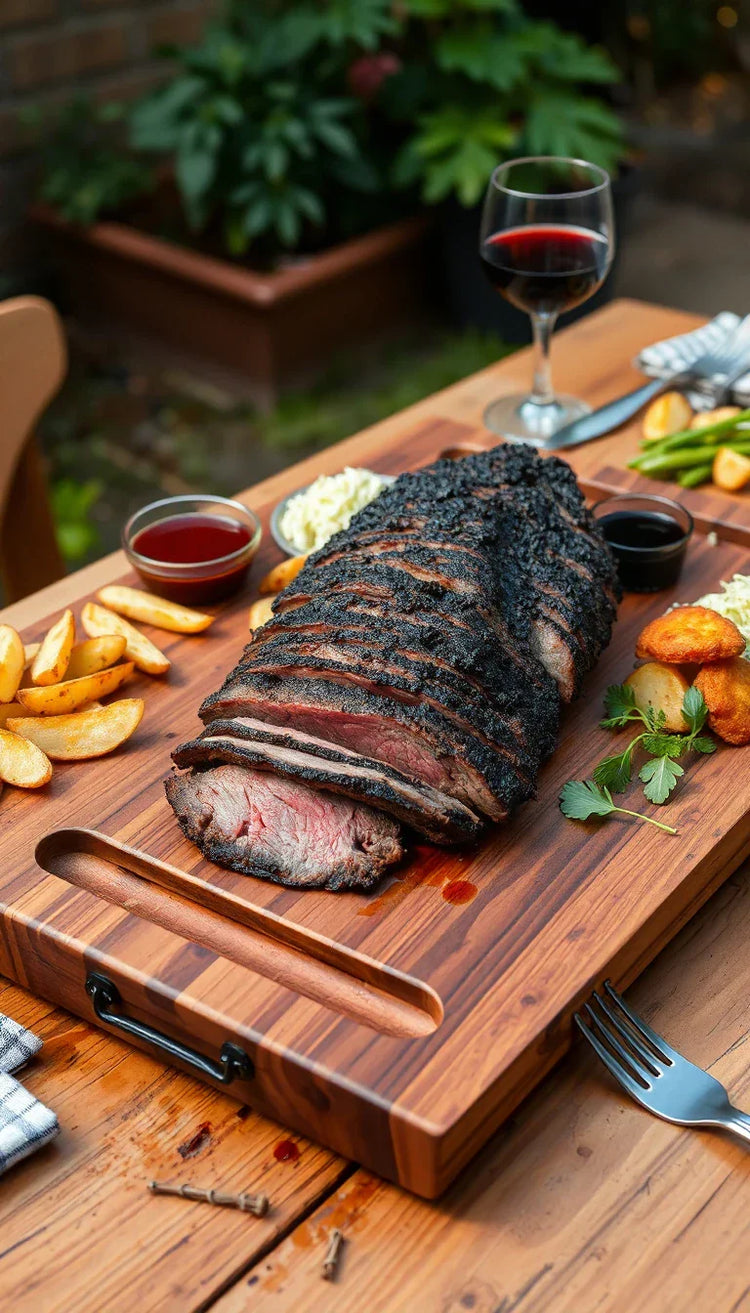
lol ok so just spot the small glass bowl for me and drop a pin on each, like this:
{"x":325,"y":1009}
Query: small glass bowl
{"x":649,"y":565}
{"x":193,"y":582}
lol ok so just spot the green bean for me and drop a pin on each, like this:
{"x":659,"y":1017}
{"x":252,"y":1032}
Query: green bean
{"x":689,"y":437}
{"x":692,"y":478}
{"x":678,"y":460}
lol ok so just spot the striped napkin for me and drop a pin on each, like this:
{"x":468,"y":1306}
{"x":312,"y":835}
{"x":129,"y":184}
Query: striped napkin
{"x":25,"y":1123}
{"x":674,"y":353}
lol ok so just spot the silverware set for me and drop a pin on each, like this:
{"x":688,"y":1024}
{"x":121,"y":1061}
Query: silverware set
{"x":652,"y":1072}
{"x":712,"y":375}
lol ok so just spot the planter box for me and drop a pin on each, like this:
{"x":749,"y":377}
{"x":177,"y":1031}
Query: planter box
{"x":272,"y":329}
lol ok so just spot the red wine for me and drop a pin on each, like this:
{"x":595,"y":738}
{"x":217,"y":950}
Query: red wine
{"x":546,"y":268}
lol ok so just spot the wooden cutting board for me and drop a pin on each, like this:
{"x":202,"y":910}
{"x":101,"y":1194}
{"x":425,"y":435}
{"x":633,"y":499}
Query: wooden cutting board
{"x":399,"y":1027}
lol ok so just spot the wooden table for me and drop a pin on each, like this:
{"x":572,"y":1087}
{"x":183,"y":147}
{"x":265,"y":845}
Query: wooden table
{"x":582,"y":1202}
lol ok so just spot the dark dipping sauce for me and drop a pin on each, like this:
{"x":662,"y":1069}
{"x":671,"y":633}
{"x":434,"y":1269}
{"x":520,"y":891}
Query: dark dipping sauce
{"x":649,"y":547}
{"x":195,"y":538}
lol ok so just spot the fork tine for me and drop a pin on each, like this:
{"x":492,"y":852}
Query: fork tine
{"x":648,"y":1058}
{"x":613,"y":1067}
{"x":669,"y":1054}
{"x":629,"y":1059}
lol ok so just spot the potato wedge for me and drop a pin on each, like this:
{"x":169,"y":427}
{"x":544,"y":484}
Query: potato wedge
{"x":29,"y":653}
{"x":690,"y":633}
{"x":663,"y":688}
{"x":8,"y":709}
{"x":98,"y":621}
{"x":60,"y":699}
{"x":260,"y":612}
{"x":85,"y":734}
{"x":153,"y":610}
{"x":282,"y":574}
{"x":51,"y":661}
{"x":669,"y":413}
{"x":725,"y":686}
{"x":730,"y":470}
{"x":12,"y":660}
{"x":95,"y":654}
{"x":705,"y":417}
{"x":23,"y":763}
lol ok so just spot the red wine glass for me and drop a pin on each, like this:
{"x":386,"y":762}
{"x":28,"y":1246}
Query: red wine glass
{"x":546,"y":244}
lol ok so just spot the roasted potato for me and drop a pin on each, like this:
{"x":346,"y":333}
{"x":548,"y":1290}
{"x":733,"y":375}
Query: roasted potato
{"x":281,"y":575}
{"x":59,"y":699}
{"x":51,"y":661}
{"x":669,"y":413}
{"x":85,"y":734}
{"x":663,"y":688}
{"x":705,"y":417}
{"x":725,"y":686}
{"x":22,"y":763}
{"x":153,"y":610}
{"x":260,"y":612}
{"x":8,"y":709}
{"x":29,"y":653}
{"x":98,"y":621}
{"x":730,"y":470}
{"x":95,"y":654}
{"x":690,"y":633}
{"x":12,"y":661}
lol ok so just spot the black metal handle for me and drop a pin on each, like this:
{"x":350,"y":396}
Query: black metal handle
{"x":233,"y":1062}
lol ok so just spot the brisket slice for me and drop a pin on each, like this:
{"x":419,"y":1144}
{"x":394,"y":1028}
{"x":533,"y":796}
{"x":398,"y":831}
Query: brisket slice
{"x":432,"y":814}
{"x":263,"y":824}
{"x":414,"y":739}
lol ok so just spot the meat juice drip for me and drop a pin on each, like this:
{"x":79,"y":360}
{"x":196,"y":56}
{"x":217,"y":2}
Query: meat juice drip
{"x":546,"y":268}
{"x":286,"y":1151}
{"x":649,"y":547}
{"x":196,"y":539}
{"x":457,"y":892}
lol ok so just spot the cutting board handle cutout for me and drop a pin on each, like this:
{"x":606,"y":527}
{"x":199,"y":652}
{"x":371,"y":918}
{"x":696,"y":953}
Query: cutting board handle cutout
{"x":347,"y":982}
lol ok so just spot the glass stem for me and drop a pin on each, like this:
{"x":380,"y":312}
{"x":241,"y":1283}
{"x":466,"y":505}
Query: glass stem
{"x":542,"y":393}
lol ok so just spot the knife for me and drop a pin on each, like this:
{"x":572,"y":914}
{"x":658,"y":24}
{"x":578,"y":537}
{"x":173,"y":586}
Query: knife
{"x":615,"y":413}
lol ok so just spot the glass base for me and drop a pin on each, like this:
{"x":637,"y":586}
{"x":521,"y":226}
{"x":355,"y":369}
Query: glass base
{"x":519,"y":419}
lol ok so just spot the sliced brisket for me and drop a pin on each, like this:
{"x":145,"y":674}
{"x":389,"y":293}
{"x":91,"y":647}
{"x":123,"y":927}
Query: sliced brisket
{"x":262,"y":824}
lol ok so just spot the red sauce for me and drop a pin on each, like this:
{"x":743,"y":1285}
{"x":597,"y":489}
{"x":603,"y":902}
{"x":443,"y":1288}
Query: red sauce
{"x":286,"y":1151}
{"x":459,"y":891}
{"x":196,"y":538}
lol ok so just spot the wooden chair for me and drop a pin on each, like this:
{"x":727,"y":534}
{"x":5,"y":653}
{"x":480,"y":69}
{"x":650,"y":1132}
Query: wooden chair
{"x":33,"y":363}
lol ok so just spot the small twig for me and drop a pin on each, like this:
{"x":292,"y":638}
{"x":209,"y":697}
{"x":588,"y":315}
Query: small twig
{"x":333,"y":1254}
{"x":247,"y":1203}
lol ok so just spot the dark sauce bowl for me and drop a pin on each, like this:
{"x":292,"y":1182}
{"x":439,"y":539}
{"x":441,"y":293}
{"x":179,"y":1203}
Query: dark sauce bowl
{"x":194,"y":549}
{"x":648,"y":536}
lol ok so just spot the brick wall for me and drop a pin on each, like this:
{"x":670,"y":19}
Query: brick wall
{"x":50,"y":49}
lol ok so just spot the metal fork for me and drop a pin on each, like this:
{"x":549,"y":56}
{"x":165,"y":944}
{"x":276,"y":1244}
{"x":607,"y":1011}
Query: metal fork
{"x":652,"y":1072}
{"x":712,"y":375}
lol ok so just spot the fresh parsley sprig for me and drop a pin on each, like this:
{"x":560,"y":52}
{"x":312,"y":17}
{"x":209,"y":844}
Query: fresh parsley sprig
{"x":660,"y":775}
{"x":581,"y":799}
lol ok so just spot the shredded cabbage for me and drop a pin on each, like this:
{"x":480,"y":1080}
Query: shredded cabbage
{"x":320,"y":511}
{"x":734,"y":603}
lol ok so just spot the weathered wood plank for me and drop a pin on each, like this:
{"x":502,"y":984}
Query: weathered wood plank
{"x":78,"y":1228}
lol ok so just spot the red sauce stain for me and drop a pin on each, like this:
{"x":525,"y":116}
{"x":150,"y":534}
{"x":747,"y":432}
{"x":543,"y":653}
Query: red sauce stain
{"x":421,"y":872}
{"x":459,"y":891}
{"x":196,"y":1142}
{"x":286,"y":1151}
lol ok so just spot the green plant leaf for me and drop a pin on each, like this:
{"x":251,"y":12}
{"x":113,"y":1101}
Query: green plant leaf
{"x":666,"y":745}
{"x":619,"y":704}
{"x":694,"y":709}
{"x":703,"y":744}
{"x":660,"y":776}
{"x":614,"y":773}
{"x":580,"y":799}
{"x":482,"y":54}
{"x":562,"y":122}
{"x":565,"y":56}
